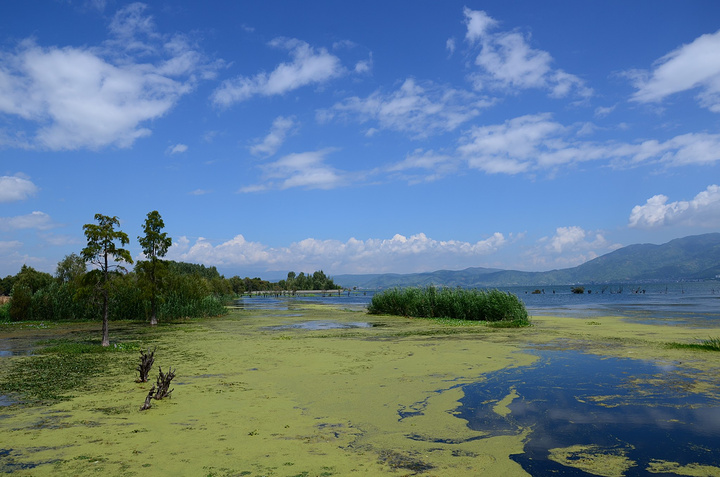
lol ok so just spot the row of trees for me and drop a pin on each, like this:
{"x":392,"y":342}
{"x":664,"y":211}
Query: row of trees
{"x":155,"y":288}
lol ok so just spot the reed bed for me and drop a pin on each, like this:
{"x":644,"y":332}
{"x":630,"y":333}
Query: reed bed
{"x":457,"y":303}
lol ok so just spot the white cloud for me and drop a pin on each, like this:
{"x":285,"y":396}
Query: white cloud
{"x":450,"y":45}
{"x":176,"y":149}
{"x":364,"y":66}
{"x":308,"y":66}
{"x":478,"y":23}
{"x":200,"y":192}
{"x":569,"y":247}
{"x":6,"y":246}
{"x":399,"y":253}
{"x":432,"y":166}
{"x":35,"y":220}
{"x":13,"y":188}
{"x":275,"y":138}
{"x":536,"y":142}
{"x":512,"y":147}
{"x":692,"y":66}
{"x":601,"y":111}
{"x":702,"y":211}
{"x":507,"y":61}
{"x":421,"y":109}
{"x":306,"y":170}
{"x":92,"y":97}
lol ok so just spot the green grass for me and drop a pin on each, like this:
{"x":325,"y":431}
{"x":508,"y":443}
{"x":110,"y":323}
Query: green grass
{"x":710,"y":344}
{"x":492,"y":306}
{"x":62,"y":367}
{"x":64,"y":347}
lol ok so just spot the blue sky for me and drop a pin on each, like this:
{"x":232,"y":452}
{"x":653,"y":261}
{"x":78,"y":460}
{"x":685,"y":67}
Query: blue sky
{"x":359,"y":137}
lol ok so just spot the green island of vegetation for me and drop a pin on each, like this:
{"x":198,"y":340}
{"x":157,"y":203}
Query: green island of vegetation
{"x":499,"y":308}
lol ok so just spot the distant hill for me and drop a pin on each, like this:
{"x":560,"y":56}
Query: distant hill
{"x":690,"y":258}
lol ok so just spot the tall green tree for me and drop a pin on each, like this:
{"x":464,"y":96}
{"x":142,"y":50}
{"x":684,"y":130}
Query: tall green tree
{"x":70,"y":269}
{"x":155,"y":245}
{"x":103,"y":252}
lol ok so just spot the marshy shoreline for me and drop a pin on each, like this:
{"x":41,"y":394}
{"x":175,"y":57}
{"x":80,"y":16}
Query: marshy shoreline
{"x":259,"y":392}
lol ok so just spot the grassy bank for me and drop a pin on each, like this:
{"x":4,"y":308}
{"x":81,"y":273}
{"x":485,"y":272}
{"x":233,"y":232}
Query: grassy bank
{"x":265,"y":396}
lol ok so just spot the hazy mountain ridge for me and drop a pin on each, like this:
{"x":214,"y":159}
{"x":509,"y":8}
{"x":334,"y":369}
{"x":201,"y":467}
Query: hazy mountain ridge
{"x":695,"y":257}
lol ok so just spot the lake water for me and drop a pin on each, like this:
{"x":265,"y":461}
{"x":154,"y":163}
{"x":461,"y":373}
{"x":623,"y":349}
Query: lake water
{"x":689,"y":303}
{"x":643,"y":411}
{"x":643,"y":414}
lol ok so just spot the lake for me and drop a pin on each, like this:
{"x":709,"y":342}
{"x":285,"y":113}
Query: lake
{"x":689,"y":303}
{"x":592,"y":414}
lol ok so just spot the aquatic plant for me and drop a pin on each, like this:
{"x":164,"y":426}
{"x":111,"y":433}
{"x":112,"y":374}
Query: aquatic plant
{"x":5,"y":312}
{"x":457,"y":303}
{"x":710,"y":344}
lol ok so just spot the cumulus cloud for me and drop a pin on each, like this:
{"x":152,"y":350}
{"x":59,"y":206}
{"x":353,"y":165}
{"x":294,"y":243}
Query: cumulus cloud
{"x":308,"y":66}
{"x":67,"y":98}
{"x":306,"y":170}
{"x":400,"y":253}
{"x":13,"y":188}
{"x":507,"y":61}
{"x":701,"y":211}
{"x":418,"y":108}
{"x":512,"y":147}
{"x":569,"y":247}
{"x":35,"y":220}
{"x":692,"y":66}
{"x":275,"y":138}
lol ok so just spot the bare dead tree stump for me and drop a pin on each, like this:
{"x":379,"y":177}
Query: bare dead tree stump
{"x":163,"y":384}
{"x":146,"y":361}
{"x":149,"y":397}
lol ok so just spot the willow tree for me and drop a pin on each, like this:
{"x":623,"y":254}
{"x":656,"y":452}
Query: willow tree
{"x":103,"y":252}
{"x":155,"y":245}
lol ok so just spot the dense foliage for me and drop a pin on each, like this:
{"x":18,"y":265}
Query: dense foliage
{"x":188,"y":290}
{"x":188,"y":295}
{"x":430,"y":302}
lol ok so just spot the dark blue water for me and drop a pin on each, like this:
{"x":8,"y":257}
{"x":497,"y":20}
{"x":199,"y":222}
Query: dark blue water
{"x":645,"y":409}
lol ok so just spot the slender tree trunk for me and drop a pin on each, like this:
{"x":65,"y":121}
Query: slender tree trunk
{"x":153,"y":299}
{"x":105,"y":326}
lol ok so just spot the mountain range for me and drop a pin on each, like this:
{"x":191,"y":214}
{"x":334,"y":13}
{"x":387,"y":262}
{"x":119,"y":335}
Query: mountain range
{"x":695,"y":257}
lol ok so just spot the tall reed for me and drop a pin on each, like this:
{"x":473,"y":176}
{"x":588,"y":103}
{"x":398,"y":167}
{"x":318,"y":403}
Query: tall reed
{"x":431,"y":302}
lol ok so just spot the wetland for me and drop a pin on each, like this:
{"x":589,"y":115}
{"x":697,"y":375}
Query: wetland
{"x":315,"y":389}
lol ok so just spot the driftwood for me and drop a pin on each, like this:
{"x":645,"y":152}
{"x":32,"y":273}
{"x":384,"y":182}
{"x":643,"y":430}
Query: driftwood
{"x":149,"y":397}
{"x":146,"y":361}
{"x":163,"y":384}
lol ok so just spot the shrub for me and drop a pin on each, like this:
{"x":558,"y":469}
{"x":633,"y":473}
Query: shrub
{"x":477,"y":305}
{"x":5,"y":312}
